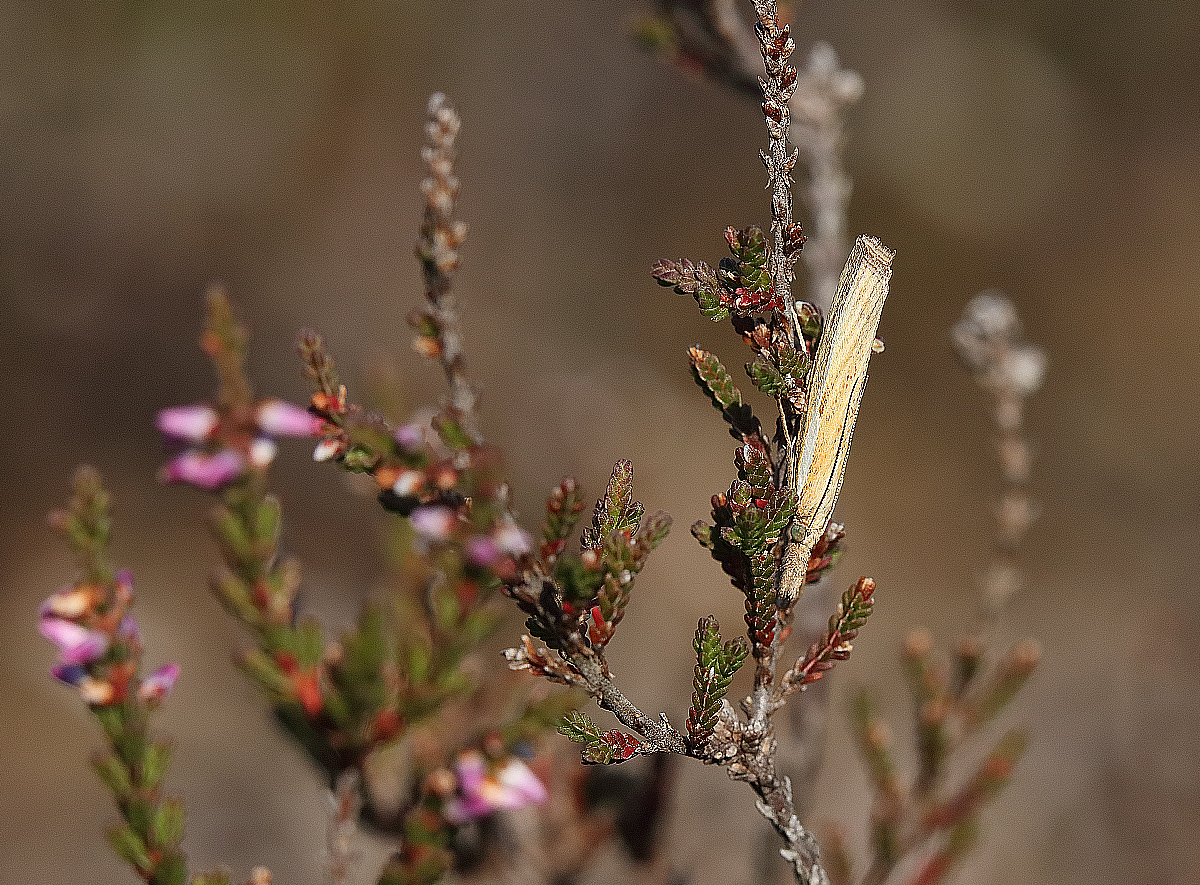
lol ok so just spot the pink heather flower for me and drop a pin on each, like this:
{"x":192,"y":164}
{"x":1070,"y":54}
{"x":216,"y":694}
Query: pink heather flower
{"x":205,"y":471}
{"x":76,"y":645}
{"x":275,"y":417}
{"x":409,"y":437}
{"x":521,"y":786}
{"x":158,"y":684}
{"x":191,"y":424}
{"x":512,"y":786}
{"x":512,"y":539}
{"x":482,"y":551}
{"x":127,"y":630}
{"x":434,"y":522}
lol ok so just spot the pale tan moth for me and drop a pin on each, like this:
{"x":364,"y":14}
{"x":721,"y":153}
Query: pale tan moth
{"x":835,"y":387}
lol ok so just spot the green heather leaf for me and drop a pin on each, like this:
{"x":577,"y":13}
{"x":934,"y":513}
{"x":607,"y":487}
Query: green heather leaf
{"x":617,"y":511}
{"x":359,"y":458}
{"x":656,"y":529}
{"x":698,"y":280}
{"x":171,"y":870}
{"x":129,"y":847}
{"x":233,"y":594}
{"x":563,"y":510}
{"x":365,"y":650}
{"x":232,"y":535}
{"x":452,"y":433}
{"x":754,"y":467}
{"x":579,"y":728}
{"x":810,"y":323}
{"x":262,"y":669}
{"x":766,"y":378}
{"x":714,"y":378}
{"x":577,"y":582}
{"x":268,"y":520}
{"x":167,"y":827}
{"x":155,"y":761}
{"x":792,"y":363}
{"x":113,"y":773}
{"x":703,"y":532}
{"x":139,"y":813}
{"x":310,"y":643}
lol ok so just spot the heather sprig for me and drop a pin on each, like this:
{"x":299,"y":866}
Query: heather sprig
{"x":716,"y":665}
{"x":574,"y":603}
{"x":100,"y":655}
{"x":923,"y":816}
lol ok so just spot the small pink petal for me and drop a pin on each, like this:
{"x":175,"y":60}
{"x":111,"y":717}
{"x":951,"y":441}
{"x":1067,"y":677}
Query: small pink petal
{"x":470,"y":769}
{"x":76,"y":645}
{"x":409,"y":437}
{"x":158,"y":684}
{"x":512,"y":539}
{"x":433,"y":522}
{"x":522,"y":787}
{"x":278,"y":418}
{"x":189,"y":423}
{"x":262,"y":452}
{"x":204,"y":471}
{"x":127,"y":630}
{"x":482,"y":551}
{"x":460,"y":810}
{"x":123,"y":592}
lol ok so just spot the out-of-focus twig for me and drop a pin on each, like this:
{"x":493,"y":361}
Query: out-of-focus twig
{"x":345,"y":804}
{"x":989,"y":341}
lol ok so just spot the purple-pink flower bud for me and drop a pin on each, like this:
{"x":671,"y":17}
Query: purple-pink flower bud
{"x":205,"y":471}
{"x":278,"y":418}
{"x":158,"y":684}
{"x":76,"y":644}
{"x":482,"y":551}
{"x":521,"y":786}
{"x":512,"y":786}
{"x":435,"y":522}
{"x":409,"y":437}
{"x":190,"y":423}
{"x":512,"y":539}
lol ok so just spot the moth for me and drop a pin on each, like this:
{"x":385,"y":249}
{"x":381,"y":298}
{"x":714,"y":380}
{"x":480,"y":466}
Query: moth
{"x":835,"y":388}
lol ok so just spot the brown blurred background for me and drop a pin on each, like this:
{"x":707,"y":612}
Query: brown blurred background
{"x":1048,"y":149}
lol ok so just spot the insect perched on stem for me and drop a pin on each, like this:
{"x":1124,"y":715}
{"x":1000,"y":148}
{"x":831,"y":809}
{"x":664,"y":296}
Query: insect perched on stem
{"x":835,"y":388}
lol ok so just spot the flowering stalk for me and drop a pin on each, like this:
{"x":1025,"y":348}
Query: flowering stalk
{"x":100,"y":655}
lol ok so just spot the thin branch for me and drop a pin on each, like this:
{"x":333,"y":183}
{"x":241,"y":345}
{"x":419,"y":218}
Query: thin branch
{"x":778,"y":84}
{"x":437,"y":248}
{"x":823,"y":92}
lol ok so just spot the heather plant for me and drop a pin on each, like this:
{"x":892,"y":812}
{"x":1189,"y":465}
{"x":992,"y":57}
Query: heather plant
{"x":478,"y":746}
